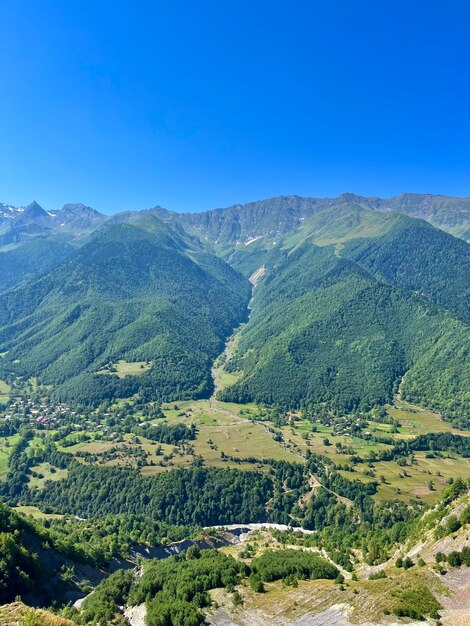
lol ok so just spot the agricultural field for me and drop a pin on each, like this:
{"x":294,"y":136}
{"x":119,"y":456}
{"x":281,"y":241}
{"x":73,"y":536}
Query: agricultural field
{"x":220,"y":432}
{"x":418,"y":421}
{"x":239,"y":435}
{"x":221,"y":429}
{"x":299,"y":435}
{"x":129,"y":451}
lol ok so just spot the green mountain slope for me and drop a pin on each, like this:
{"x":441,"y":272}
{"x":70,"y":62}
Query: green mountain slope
{"x":148,"y":296}
{"x":324,"y":330}
{"x":445,"y":212}
{"x":407,"y":252}
{"x":420,"y":258}
{"x":342,"y":222}
{"x":128,"y":295}
{"x":393,"y":247}
{"x":32,"y":564}
{"x":30,"y":259}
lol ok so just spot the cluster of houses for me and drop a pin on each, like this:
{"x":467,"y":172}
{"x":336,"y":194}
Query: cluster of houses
{"x":36,"y":414}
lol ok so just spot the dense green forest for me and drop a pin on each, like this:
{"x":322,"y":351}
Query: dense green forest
{"x":175,"y":589}
{"x":384,"y":301}
{"x":31,"y":259}
{"x":208,"y":496}
{"x":37,"y":557}
{"x":283,"y":563}
{"x":20,"y":567}
{"x":324,"y":330}
{"x":128,"y":294}
{"x":421,"y":259}
{"x":203,"y":496}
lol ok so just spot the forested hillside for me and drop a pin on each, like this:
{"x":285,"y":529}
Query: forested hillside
{"x":421,"y":259}
{"x":146,"y":308}
{"x":129,"y":295}
{"x":323,"y":329}
{"x":31,"y":259}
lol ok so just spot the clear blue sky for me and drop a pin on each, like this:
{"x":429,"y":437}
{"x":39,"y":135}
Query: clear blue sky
{"x":124,"y":104}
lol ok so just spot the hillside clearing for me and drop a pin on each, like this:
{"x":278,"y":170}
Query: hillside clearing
{"x":123,"y":368}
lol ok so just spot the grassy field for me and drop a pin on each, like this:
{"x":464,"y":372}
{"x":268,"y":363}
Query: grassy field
{"x":218,"y":430}
{"x":225,"y":379}
{"x":417,"y":421}
{"x":93,"y":447}
{"x":47,"y":472}
{"x":415,"y":483}
{"x":18,"y":613}
{"x":169,"y":456}
{"x":36,"y":513}
{"x":124,"y":368}
{"x":4,"y":391}
{"x":6,"y":446}
{"x":300,"y":436}
{"x":227,"y":432}
{"x":244,"y":430}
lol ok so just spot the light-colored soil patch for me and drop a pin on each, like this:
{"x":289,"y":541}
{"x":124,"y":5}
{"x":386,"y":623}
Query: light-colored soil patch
{"x":257,"y":275}
{"x":458,"y":581}
{"x":421,"y":491}
{"x":312,"y":603}
{"x":457,"y":604}
{"x":135,"y":615}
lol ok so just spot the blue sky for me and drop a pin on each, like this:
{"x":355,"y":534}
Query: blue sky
{"x":192,"y":105}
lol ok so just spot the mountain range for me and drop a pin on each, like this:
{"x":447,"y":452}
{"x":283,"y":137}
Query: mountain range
{"x":274,"y":216}
{"x":354,"y":299}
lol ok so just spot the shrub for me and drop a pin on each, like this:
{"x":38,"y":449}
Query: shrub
{"x":256,"y":583}
{"x":465,"y":516}
{"x":452,"y":525}
{"x":283,"y":563}
{"x":454,"y":559}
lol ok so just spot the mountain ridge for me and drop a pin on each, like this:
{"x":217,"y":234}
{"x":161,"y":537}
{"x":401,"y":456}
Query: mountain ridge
{"x":189,"y":273}
{"x":447,"y":212}
{"x":127,"y":294}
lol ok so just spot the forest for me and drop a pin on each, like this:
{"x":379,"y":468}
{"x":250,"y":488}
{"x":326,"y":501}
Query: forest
{"x":128,"y":294}
{"x":323,"y":330}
